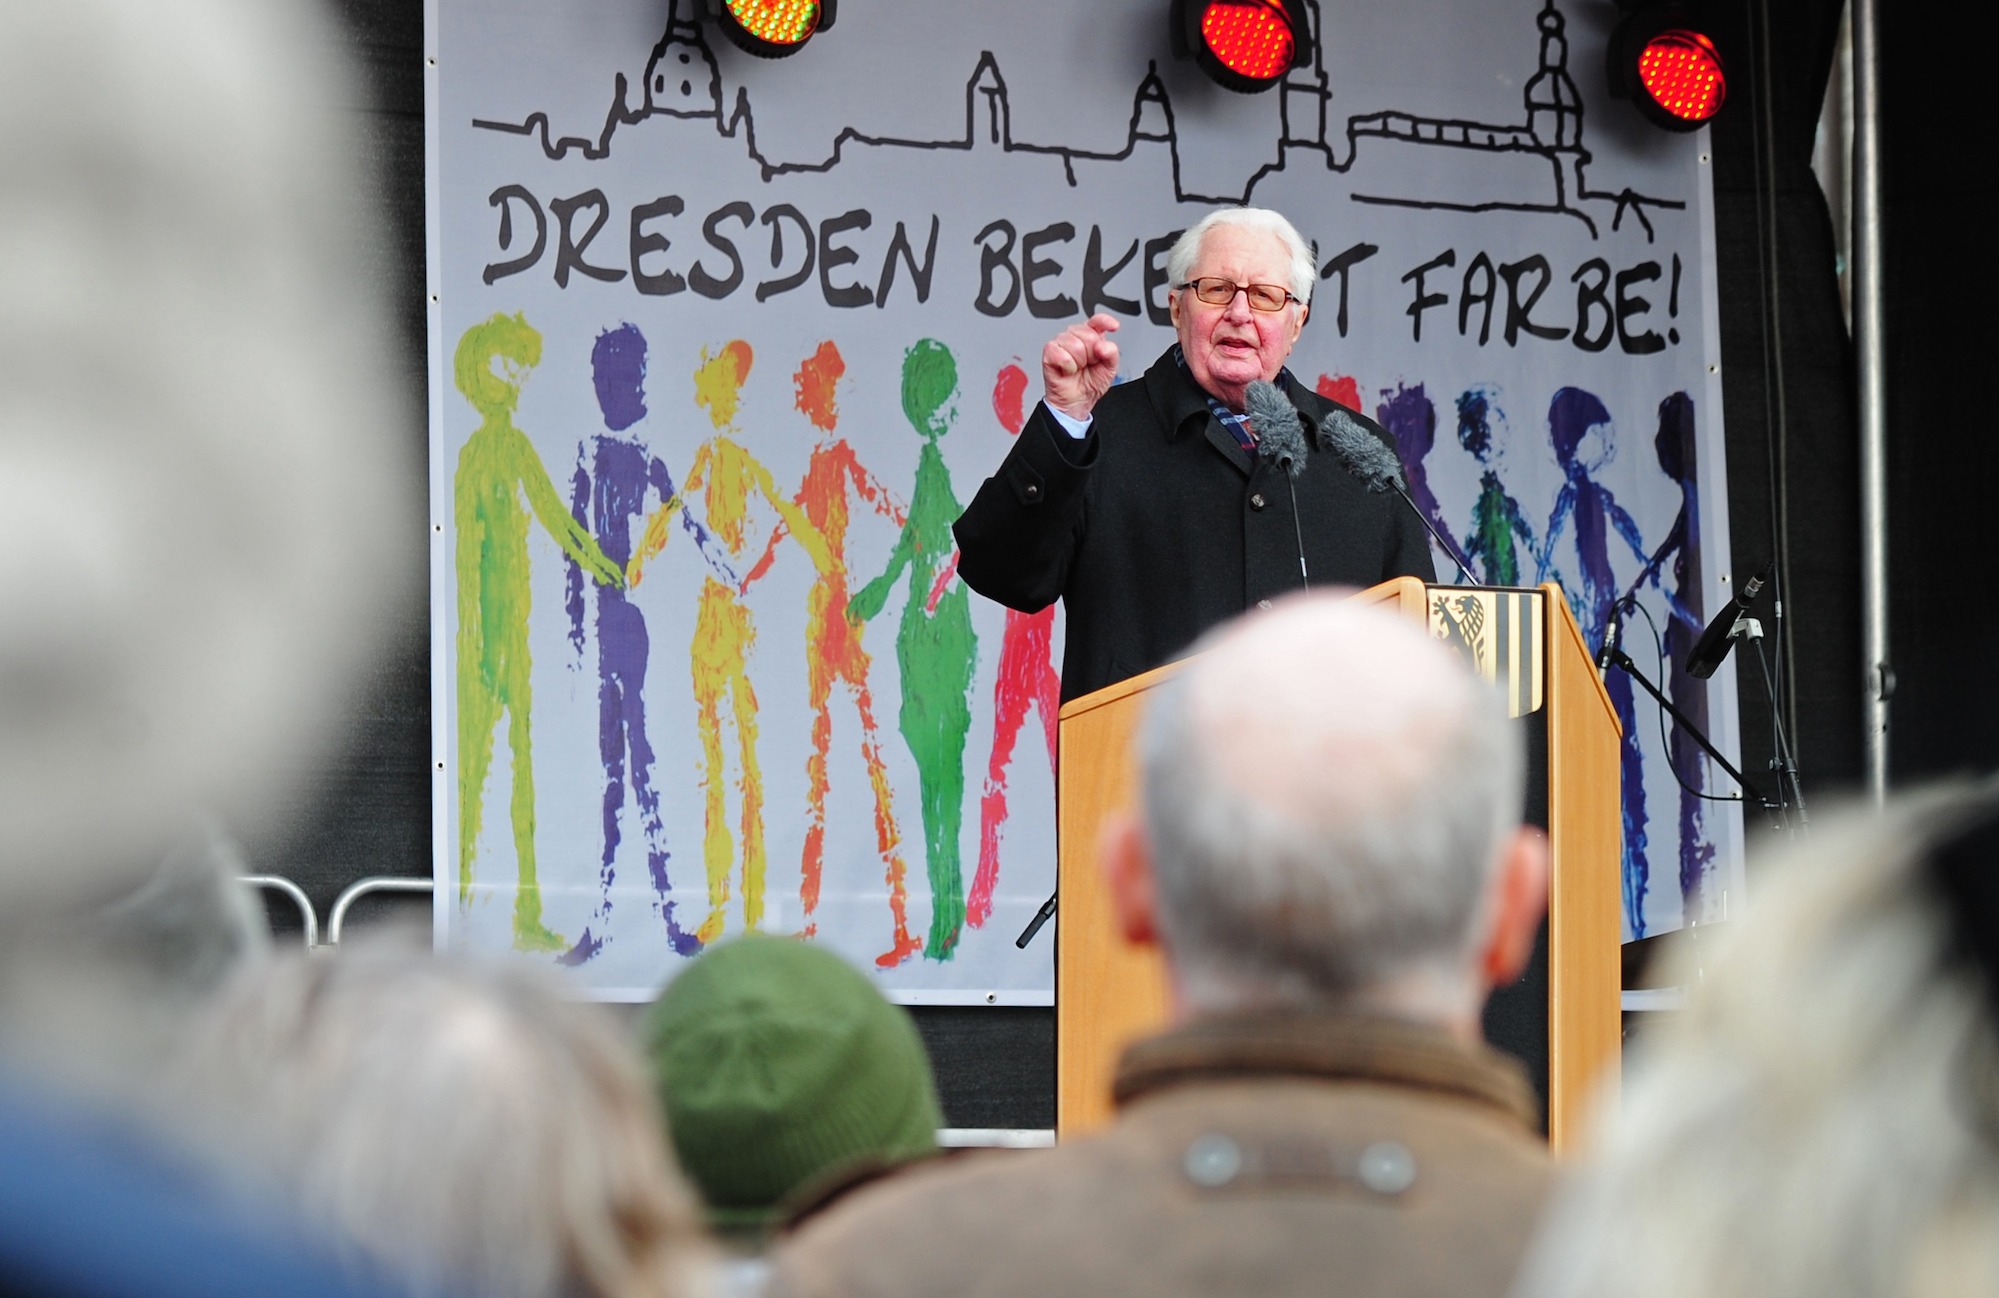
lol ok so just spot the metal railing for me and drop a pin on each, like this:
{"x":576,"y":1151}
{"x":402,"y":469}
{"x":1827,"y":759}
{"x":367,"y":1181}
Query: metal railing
{"x":366,"y":887}
{"x":279,"y":884}
{"x":337,"y":920}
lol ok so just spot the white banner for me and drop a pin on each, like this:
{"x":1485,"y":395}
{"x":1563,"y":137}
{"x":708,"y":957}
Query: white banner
{"x":701,"y":662}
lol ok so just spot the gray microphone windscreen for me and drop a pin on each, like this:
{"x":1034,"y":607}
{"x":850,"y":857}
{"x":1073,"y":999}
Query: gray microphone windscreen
{"x":1279,"y":434}
{"x":1366,"y":455}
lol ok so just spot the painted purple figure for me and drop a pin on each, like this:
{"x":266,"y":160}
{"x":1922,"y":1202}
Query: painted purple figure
{"x":606,"y":496}
{"x":1411,"y":419}
{"x":1675,"y":447}
{"x":1581,"y":432}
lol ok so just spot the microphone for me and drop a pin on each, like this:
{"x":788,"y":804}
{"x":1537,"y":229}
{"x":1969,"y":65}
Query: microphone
{"x":1611,"y":629}
{"x":1718,"y":638}
{"x":1364,"y":454}
{"x":1368,"y":458}
{"x":1280,"y":435}
{"x":1280,"y":438}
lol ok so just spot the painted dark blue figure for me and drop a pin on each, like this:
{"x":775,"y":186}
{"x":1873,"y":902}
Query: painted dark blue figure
{"x":1411,"y":419}
{"x":607,"y":495}
{"x":1675,"y":447}
{"x":1573,"y":416}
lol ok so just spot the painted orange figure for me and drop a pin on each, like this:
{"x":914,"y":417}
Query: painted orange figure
{"x":833,"y":651}
{"x":1027,"y":678}
{"x":724,"y":632}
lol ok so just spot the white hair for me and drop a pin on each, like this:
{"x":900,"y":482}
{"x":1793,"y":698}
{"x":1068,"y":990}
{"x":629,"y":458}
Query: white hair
{"x":1823,"y":1117}
{"x":459,"y":1128}
{"x":1186,"y":250}
{"x":1327,"y":791}
{"x":204,"y":475}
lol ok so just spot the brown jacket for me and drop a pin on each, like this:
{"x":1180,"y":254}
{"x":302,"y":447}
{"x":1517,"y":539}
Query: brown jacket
{"x":1309,"y":1155}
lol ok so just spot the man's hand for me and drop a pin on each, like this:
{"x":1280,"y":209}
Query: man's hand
{"x":1079,"y":365}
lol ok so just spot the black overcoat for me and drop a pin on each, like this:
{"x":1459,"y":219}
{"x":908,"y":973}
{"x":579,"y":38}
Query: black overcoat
{"x":1158,"y":525}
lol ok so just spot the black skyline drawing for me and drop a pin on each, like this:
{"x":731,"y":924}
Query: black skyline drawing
{"x":1536,"y":167}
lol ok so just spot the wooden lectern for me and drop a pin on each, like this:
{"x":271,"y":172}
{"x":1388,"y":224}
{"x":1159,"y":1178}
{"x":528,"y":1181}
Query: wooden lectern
{"x":1108,"y":993}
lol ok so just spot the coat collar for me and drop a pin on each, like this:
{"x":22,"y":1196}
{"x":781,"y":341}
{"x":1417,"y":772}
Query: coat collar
{"x":1325,"y":1045}
{"x":1181,"y":406}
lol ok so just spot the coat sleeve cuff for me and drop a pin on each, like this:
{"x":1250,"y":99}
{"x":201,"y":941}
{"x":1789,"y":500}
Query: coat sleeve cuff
{"x":1049,"y":464}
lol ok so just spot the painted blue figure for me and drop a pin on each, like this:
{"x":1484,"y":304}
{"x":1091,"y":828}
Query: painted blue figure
{"x":1675,"y":447}
{"x":1581,"y":432}
{"x":1496,"y":517}
{"x":1410,"y":418}
{"x":607,"y":495}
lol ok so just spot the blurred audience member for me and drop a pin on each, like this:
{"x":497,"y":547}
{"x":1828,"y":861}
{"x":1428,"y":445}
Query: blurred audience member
{"x":206,"y":481}
{"x":98,"y":997}
{"x":456,"y":1128}
{"x":204,"y":484}
{"x":1331,"y":862}
{"x":1823,"y":1117}
{"x":786,"y":1079}
{"x":87,"y":1211}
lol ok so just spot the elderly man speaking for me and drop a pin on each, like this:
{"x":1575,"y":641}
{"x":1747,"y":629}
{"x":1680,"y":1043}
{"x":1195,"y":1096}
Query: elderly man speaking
{"x":1155,"y":510}
{"x":1331,"y":860}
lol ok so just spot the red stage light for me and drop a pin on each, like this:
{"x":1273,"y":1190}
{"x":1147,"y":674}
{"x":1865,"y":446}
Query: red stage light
{"x":1245,"y":45}
{"x":1252,"y":40}
{"x":1664,"y":59}
{"x":772,"y":28}
{"x":1682,"y":72}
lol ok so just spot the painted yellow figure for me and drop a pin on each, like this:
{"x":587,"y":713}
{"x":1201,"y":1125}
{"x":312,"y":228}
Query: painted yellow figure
{"x":496,"y":468}
{"x":724,"y":632}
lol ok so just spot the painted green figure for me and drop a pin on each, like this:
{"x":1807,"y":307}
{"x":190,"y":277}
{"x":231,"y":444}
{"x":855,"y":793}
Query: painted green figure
{"x":934,"y":647}
{"x":498,"y":466}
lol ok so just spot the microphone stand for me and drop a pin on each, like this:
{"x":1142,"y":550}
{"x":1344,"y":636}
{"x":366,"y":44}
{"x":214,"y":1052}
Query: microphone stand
{"x":1782,"y":761}
{"x":1042,"y":916}
{"x":1622,"y":661}
{"x":1443,"y":542}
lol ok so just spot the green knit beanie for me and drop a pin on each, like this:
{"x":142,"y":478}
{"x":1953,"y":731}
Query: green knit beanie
{"x":778,"y":1064}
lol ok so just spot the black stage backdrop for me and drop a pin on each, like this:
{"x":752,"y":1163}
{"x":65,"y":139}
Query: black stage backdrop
{"x":1793,"y":481}
{"x":1943,"y":455}
{"x":1793,"y":473}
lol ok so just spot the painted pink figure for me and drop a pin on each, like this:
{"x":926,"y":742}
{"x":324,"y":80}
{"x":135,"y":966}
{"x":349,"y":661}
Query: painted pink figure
{"x":1027,"y":678}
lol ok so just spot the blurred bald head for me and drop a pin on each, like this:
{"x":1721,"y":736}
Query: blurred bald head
{"x":1329,"y":794}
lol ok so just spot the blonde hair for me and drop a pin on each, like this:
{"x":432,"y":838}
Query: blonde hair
{"x":1821,"y":1118}
{"x":460,"y":1128}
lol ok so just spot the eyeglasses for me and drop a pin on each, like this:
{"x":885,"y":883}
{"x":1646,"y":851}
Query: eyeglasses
{"x":1216,"y":291}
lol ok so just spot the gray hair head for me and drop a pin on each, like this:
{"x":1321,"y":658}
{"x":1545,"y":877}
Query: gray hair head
{"x":1823,"y":1117}
{"x":1327,"y":791}
{"x":459,"y":1128}
{"x":205,"y":477}
{"x":1304,"y":271}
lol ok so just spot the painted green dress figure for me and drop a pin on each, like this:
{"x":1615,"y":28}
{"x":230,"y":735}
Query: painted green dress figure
{"x":497,"y":466}
{"x":934,"y":647}
{"x":1496,"y":519}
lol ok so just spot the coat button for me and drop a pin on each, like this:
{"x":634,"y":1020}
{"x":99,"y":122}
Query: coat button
{"x":1032,"y":491}
{"x":1387,"y":1168}
{"x":1256,"y":500}
{"x":1212,"y":1161}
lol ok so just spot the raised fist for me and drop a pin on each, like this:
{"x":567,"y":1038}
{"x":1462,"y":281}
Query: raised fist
{"x":1079,"y":365}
